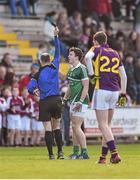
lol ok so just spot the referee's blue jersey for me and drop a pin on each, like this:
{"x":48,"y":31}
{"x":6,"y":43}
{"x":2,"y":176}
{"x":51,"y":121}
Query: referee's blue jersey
{"x":47,"y":79}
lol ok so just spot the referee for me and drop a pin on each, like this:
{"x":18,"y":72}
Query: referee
{"x":46,"y":85}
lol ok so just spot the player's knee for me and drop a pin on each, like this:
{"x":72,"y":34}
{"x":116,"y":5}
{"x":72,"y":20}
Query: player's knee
{"x":56,"y":125}
{"x":101,"y":126}
{"x":48,"y":126}
{"x":74,"y":126}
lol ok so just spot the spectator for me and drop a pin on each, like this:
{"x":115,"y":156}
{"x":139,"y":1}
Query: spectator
{"x":36,"y":126}
{"x":76,"y":25}
{"x":7,"y":61}
{"x":22,"y":3}
{"x":90,"y":23}
{"x":110,"y":36}
{"x":64,"y":26}
{"x":131,"y":85}
{"x":26,"y":78}
{"x":48,"y":28}
{"x":6,"y":93}
{"x":120,"y":38}
{"x":116,"y":8}
{"x":2,"y":74}
{"x":129,"y":9}
{"x":26,"y":117}
{"x":32,"y":6}
{"x":137,"y":23}
{"x":102,"y":9}
{"x":14,"y":106}
{"x":3,"y":106}
{"x":90,"y":5}
{"x":70,"y":5}
{"x":84,"y":39}
{"x":131,"y":45}
{"x":11,"y":79}
{"x":137,"y":77}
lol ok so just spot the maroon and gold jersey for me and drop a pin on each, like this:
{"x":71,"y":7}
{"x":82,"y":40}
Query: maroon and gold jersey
{"x":106,"y":63}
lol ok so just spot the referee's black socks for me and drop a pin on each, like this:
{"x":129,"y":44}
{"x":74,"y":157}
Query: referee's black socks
{"x":49,"y":141}
{"x":58,"y":139}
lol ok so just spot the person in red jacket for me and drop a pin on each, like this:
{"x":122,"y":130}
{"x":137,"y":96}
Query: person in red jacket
{"x":26,"y":78}
{"x":102,"y":8}
{"x":2,"y":75}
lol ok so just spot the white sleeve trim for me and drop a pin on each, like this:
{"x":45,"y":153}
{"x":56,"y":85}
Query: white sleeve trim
{"x":85,"y":78}
{"x":123,"y":79}
{"x":88,"y":58}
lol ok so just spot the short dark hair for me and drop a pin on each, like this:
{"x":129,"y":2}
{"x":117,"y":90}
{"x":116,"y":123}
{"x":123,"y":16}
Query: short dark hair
{"x":45,"y":57}
{"x":41,"y":45}
{"x":100,"y":37}
{"x":35,"y":65}
{"x":78,"y":52}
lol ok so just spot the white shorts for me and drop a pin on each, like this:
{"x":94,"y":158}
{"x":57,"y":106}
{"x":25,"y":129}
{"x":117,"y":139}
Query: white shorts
{"x":36,"y":125}
{"x":104,"y":99}
{"x":25,"y":123}
{"x":81,"y":113}
{"x":14,"y":121}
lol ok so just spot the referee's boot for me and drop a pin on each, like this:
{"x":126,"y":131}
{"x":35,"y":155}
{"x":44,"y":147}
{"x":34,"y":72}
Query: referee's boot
{"x":60,"y":155}
{"x":51,"y":157}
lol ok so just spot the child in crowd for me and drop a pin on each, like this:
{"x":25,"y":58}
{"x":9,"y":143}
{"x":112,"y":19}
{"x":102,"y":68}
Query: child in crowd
{"x":36,"y":126}
{"x":15,"y":105}
{"x":26,"y":116}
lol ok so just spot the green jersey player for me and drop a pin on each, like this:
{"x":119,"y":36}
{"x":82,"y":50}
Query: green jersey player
{"x":77,"y":94}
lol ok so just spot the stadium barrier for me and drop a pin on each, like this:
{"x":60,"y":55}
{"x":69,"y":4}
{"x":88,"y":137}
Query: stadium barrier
{"x":126,"y":122}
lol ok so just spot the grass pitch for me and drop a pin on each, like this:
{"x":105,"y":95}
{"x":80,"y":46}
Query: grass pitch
{"x":33,"y":163}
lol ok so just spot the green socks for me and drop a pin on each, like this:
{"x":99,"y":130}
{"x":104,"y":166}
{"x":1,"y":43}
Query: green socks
{"x":84,"y":151}
{"x":76,"y":150}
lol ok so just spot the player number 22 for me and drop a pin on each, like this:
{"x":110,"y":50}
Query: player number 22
{"x":105,"y":66}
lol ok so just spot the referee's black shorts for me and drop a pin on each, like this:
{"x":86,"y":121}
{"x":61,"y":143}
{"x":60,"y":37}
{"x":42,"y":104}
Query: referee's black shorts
{"x":50,"y":107}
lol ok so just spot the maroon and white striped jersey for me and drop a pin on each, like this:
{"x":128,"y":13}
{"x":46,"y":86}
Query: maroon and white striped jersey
{"x":28,"y":108}
{"x":35,"y":110}
{"x":15,"y":105}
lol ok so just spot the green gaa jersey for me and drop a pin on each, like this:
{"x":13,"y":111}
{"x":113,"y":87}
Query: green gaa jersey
{"x":75,"y":77}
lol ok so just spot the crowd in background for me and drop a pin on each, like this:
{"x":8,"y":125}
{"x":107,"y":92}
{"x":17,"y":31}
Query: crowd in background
{"x":78,"y":21}
{"x":27,"y":7}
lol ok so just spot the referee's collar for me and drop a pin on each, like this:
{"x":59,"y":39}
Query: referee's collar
{"x":48,"y":65}
{"x":74,"y":67}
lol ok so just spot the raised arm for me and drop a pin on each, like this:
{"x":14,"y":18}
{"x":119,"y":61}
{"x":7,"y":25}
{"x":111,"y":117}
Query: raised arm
{"x":56,"y":59}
